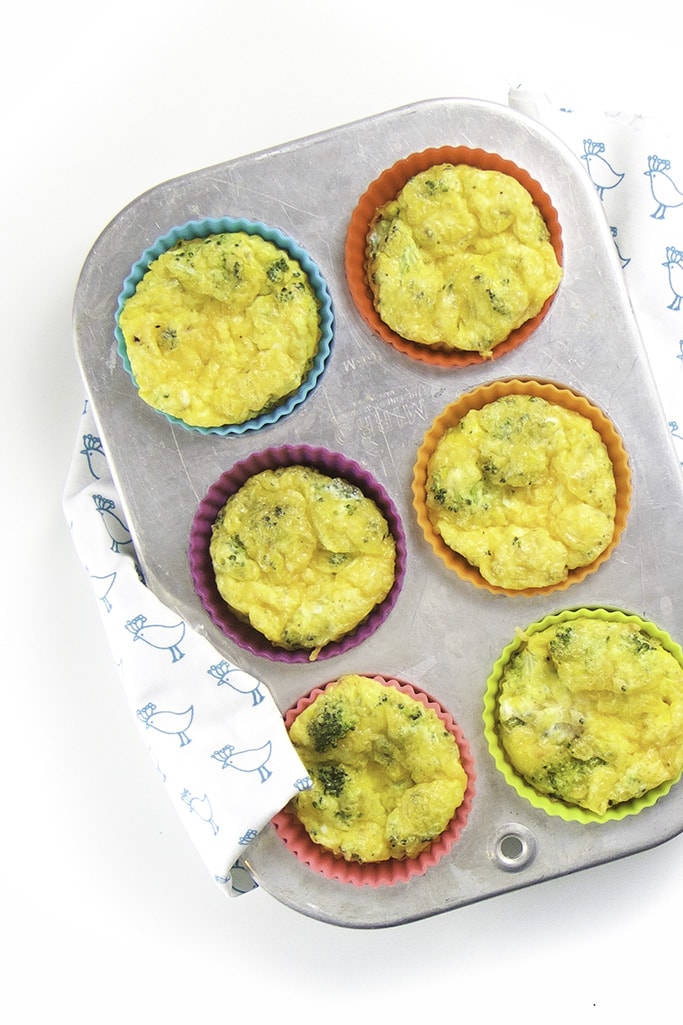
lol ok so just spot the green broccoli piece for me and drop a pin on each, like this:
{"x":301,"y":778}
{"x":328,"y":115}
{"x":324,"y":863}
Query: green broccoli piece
{"x":332,"y":778}
{"x":565,"y":779}
{"x":330,"y":726}
{"x":277,"y":269}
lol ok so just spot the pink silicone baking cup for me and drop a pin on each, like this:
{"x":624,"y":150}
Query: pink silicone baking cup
{"x":385,"y":188}
{"x":384,"y":873}
{"x":331,"y":463}
{"x":476,"y":399}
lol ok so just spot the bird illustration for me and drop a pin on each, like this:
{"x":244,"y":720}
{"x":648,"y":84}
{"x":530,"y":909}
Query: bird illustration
{"x":624,"y":260}
{"x":240,"y":681}
{"x":601,"y":172}
{"x":248,"y":760}
{"x":103,"y":587}
{"x":664,"y":190}
{"x":165,"y":721}
{"x":115,"y":527}
{"x":92,"y":446}
{"x":201,"y":806}
{"x":674,"y":264}
{"x":158,"y":635}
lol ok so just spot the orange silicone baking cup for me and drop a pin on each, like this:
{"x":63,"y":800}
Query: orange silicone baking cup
{"x":384,"y":873}
{"x":482,"y":396}
{"x":385,"y":188}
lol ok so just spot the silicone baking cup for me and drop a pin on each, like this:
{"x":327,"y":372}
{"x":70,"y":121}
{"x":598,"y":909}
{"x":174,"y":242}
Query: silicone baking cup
{"x":480,"y":397}
{"x":384,"y":873}
{"x":332,"y":464}
{"x":553,"y":806}
{"x":384,"y":189}
{"x":212,"y":226}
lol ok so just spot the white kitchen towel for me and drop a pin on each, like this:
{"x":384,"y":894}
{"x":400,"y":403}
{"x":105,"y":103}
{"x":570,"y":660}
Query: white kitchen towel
{"x":636,"y":165}
{"x":214,"y":731}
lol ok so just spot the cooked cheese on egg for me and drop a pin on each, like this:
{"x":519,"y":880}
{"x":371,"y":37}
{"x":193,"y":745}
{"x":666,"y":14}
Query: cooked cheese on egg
{"x":591,"y":713}
{"x":220,"y":329}
{"x":460,"y":258}
{"x":386,"y":772}
{"x":304,"y":557}
{"x":524,"y":490}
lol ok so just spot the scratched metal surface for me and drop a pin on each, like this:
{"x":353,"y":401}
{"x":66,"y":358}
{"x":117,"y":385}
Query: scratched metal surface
{"x":374,"y":405}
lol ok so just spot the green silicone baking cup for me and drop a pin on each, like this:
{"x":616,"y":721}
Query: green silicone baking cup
{"x":569,"y":813}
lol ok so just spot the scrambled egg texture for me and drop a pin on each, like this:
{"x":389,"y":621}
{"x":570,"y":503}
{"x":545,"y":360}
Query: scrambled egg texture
{"x":591,"y":713}
{"x":387,"y":776}
{"x":304,"y":557}
{"x":524,"y":490}
{"x":221,"y":329}
{"x":460,"y":258}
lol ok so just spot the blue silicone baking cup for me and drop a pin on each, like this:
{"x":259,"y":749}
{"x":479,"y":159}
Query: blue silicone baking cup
{"x":214,"y":226}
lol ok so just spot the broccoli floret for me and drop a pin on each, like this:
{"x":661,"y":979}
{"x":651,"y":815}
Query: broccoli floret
{"x":332,"y":778}
{"x":641,"y":642}
{"x":564,"y":779}
{"x":277,"y":269}
{"x":330,"y":726}
{"x":560,"y":643}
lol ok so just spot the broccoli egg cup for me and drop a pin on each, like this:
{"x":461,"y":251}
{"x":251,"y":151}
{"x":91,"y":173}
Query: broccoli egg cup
{"x":236,"y":624}
{"x":383,"y":191}
{"x":583,"y":714}
{"x":487,"y":516}
{"x":224,"y":325}
{"x":377,"y":773}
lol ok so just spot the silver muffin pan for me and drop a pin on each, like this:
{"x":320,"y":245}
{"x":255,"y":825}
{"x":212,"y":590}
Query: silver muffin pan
{"x":374,"y":405}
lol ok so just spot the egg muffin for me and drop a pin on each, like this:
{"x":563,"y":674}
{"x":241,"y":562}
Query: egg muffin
{"x":590,"y":712}
{"x":524,"y":489}
{"x":302,"y":556}
{"x":460,"y":258}
{"x":220,"y":329}
{"x":386,"y":772}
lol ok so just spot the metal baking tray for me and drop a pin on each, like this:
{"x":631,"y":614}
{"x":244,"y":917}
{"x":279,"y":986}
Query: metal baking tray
{"x":374,"y":405}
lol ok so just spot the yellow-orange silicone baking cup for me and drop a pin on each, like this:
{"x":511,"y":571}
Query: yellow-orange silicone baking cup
{"x":385,"y":188}
{"x":482,"y":396}
{"x":553,"y":806}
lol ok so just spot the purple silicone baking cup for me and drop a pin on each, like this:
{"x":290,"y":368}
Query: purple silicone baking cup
{"x":333,"y":464}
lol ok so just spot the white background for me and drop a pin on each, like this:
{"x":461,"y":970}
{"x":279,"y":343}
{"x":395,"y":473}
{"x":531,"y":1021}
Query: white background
{"x":105,"y":908}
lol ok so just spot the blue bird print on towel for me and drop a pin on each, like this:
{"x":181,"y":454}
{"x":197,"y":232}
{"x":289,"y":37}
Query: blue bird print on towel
{"x":664,"y":191}
{"x":248,"y":760}
{"x":92,"y":447}
{"x":158,"y":635}
{"x":240,"y":681}
{"x":624,"y":260}
{"x":166,"y":721}
{"x":115,"y":527}
{"x":201,"y":806}
{"x":601,"y":172}
{"x":102,"y":587}
{"x":674,"y":265}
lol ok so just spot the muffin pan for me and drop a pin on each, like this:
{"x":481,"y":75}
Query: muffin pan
{"x":374,"y":404}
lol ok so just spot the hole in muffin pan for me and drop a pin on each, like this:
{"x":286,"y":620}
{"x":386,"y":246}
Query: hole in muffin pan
{"x":514,"y":847}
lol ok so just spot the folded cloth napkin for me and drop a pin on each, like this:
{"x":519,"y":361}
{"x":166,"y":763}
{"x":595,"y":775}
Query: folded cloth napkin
{"x":214,"y":731}
{"x":636,"y":165}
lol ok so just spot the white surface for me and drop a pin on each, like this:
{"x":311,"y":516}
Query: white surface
{"x":106,"y":908}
